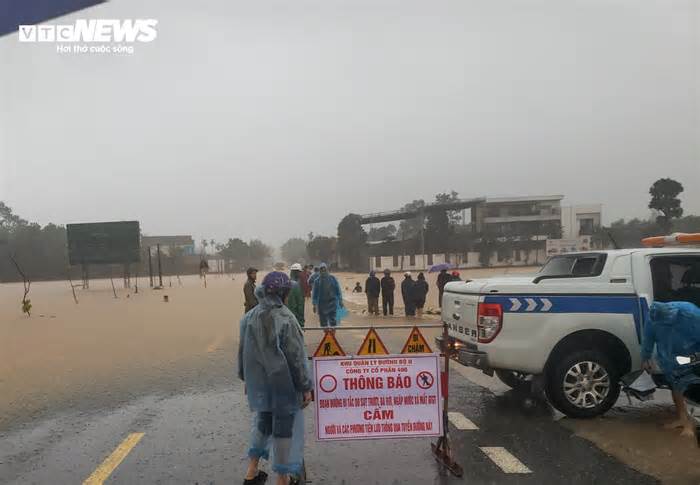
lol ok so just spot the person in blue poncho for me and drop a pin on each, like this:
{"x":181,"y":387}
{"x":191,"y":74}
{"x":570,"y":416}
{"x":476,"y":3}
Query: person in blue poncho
{"x":272,"y":362}
{"x":327,"y":297}
{"x":672,"y":329}
{"x":314,"y":276}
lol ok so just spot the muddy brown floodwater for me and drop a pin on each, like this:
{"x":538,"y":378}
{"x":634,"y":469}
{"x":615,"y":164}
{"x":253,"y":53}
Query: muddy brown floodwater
{"x":106,"y":346}
{"x":105,"y":351}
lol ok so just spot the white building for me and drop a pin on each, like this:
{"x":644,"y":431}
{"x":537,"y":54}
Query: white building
{"x":422,"y":262}
{"x":535,"y":218}
{"x":527,"y":216}
{"x":580,"y":220}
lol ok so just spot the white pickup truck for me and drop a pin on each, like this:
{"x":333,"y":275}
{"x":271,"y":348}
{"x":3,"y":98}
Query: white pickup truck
{"x":575,"y":326}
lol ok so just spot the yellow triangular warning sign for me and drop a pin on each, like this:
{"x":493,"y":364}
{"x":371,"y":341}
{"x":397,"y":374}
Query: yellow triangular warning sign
{"x":416,"y":343}
{"x":329,"y":346}
{"x":372,"y":345}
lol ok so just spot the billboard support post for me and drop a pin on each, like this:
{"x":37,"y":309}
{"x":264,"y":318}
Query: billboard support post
{"x":127,"y":276}
{"x":72,"y":286}
{"x":111,"y":279}
{"x":86,"y":278}
{"x":160,"y":269}
{"x":150,"y":268}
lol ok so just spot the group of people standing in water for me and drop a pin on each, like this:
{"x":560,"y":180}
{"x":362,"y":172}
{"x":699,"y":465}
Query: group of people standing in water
{"x":413,"y":292}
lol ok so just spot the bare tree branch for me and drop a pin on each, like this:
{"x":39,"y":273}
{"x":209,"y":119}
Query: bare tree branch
{"x":26,"y":302}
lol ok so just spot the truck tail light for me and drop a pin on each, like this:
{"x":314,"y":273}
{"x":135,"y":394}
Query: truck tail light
{"x":489,"y":321}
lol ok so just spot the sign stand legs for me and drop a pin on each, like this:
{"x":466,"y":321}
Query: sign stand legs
{"x":442,"y":449}
{"x":425,"y":379}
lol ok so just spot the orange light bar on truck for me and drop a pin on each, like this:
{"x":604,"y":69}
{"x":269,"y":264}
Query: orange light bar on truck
{"x":672,"y":240}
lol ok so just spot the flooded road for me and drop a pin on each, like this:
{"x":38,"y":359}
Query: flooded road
{"x":147,"y":393}
{"x":200,"y":437}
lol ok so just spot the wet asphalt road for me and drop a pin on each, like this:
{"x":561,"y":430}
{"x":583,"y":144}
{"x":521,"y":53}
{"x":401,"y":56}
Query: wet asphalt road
{"x":195,"y":431}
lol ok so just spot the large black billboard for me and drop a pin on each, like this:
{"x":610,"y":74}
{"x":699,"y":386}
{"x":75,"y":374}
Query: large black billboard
{"x":104,"y":242}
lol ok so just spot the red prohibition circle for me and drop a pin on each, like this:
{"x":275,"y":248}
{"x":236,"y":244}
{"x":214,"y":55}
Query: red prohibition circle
{"x":425,"y":380}
{"x":328,"y":383}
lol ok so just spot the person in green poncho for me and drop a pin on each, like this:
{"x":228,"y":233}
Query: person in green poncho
{"x":295,"y":300}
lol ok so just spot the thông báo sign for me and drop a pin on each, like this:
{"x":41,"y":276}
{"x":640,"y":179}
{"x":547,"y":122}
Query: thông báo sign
{"x":394,"y":396}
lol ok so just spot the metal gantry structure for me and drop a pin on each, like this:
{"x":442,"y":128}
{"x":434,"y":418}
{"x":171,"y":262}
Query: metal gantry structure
{"x":420,"y":212}
{"x":403,"y":214}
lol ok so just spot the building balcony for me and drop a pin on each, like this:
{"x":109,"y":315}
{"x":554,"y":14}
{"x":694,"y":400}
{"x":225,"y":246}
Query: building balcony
{"x":527,"y":218}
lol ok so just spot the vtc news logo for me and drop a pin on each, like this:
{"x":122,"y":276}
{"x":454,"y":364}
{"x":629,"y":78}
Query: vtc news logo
{"x":93,"y":30}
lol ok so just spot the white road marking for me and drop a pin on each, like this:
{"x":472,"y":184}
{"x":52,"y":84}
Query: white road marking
{"x":461,"y":422}
{"x":504,"y":460}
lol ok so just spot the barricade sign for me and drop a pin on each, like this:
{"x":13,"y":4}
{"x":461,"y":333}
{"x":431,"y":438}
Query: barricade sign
{"x":396,"y":396}
{"x":374,"y":395}
{"x":372,"y":345}
{"x":329,"y":346}
{"x":416,"y":343}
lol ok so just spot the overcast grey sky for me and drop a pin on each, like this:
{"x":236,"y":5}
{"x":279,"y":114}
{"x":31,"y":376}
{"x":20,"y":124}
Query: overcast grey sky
{"x":272,"y":119}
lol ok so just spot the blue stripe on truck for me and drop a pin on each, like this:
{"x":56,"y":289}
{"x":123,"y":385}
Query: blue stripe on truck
{"x":573,"y":304}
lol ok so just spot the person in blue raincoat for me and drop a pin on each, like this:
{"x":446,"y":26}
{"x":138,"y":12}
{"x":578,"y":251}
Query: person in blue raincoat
{"x":672,"y":329}
{"x":314,"y":276}
{"x":327,"y":298}
{"x":272,"y":362}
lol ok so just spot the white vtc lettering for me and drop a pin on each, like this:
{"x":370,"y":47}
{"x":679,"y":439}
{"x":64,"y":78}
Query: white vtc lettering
{"x":93,"y":30}
{"x":27,"y":33}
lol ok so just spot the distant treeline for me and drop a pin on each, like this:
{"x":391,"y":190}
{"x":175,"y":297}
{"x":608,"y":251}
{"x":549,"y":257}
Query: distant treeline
{"x":628,"y":234}
{"x":42,"y":254}
{"x":40,"y":251}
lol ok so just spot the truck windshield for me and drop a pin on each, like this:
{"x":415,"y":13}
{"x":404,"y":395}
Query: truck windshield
{"x":572,"y":266}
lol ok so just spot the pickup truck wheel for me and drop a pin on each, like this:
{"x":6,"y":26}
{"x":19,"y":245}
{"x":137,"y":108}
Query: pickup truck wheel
{"x":583,"y":384}
{"x":513,"y":379}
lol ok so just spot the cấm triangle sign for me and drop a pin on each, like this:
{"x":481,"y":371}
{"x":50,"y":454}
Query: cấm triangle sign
{"x":329,"y":347}
{"x":416,"y":343}
{"x":372,"y":345}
